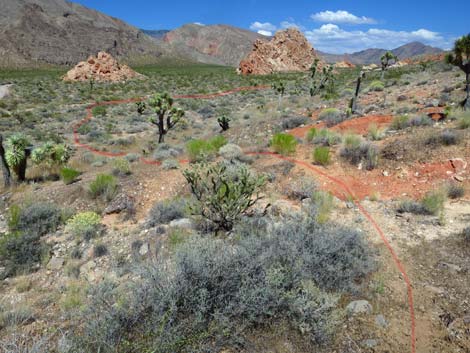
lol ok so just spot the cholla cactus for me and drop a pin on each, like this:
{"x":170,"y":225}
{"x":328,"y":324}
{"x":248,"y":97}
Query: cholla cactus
{"x":461,"y":58}
{"x":162,"y":105}
{"x":323,"y":81}
{"x":17,"y":153}
{"x":385,"y":61}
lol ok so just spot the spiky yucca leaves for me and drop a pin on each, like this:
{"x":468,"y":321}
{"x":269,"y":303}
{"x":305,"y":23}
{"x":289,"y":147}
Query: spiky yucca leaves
{"x":51,"y":154}
{"x":224,"y":123}
{"x":461,"y":58}
{"x":4,"y":165}
{"x":17,"y":153}
{"x":223,"y":196}
{"x":322,"y":81}
{"x":385,"y":60}
{"x":162,"y":105}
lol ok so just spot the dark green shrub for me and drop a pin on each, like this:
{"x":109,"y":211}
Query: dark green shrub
{"x":104,"y":186}
{"x":69,"y":175}
{"x":100,"y":250}
{"x":223,"y":197}
{"x":284,"y":144}
{"x":376,"y":86}
{"x":200,"y":150}
{"x":99,"y":111}
{"x":455,"y":191}
{"x":466,"y":234}
{"x":321,"y":155}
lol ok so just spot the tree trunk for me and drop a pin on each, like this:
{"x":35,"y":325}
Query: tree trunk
{"x":161,"y":129}
{"x":356,"y":95}
{"x":4,"y":165}
{"x":21,"y":170}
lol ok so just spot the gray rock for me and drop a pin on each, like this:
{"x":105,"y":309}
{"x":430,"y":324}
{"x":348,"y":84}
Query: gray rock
{"x":144,"y":249}
{"x":359,"y":307}
{"x":185,"y":223}
{"x":370,"y":343}
{"x":120,"y":203}
{"x":380,"y":321}
{"x":55,"y":263}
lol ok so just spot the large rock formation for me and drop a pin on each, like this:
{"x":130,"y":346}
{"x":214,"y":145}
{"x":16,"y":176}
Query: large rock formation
{"x":288,"y":51}
{"x":102,"y":68}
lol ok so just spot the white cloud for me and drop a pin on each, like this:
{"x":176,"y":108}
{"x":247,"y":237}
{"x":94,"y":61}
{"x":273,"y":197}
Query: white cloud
{"x":291,"y":24}
{"x":260,"y":26}
{"x":265,"y":33}
{"x":341,"y":17}
{"x":199,"y":24}
{"x":333,"y":39}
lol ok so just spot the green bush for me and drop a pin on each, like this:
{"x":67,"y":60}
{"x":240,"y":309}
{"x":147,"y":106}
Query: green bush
{"x":85,"y":225}
{"x":324,"y":204}
{"x":356,"y":151}
{"x":121,"y":167}
{"x":284,"y":144}
{"x":223,"y":196}
{"x":321,"y":155}
{"x":104,"y":186}
{"x":69,"y":175}
{"x":200,"y":150}
{"x":464,"y":121}
{"x":431,"y":204}
{"x":375,"y":134}
{"x":99,"y":111}
{"x":37,"y":218}
{"x":400,"y":122}
{"x":311,"y":134}
{"x":220,"y":290}
{"x":376,"y":86}
{"x":51,"y":154}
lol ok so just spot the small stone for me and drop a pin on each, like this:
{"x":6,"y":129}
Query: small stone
{"x":55,"y":263}
{"x":370,"y":343}
{"x":385,"y":173}
{"x":380,"y":321}
{"x":144,"y":249}
{"x":185,"y":223}
{"x":359,"y":307}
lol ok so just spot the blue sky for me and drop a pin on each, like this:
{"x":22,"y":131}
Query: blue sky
{"x":333,"y":26}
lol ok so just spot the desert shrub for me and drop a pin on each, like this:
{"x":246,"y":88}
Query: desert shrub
{"x":51,"y":154}
{"x":321,"y":155}
{"x":16,"y":317}
{"x":99,"y":111}
{"x":223,"y":197}
{"x":220,"y":290}
{"x":293,"y":122}
{"x":69,"y":175}
{"x":169,"y":164}
{"x":99,"y":250}
{"x":121,"y":167}
{"x":463,"y":121}
{"x":311,"y":134}
{"x":446,"y":138}
{"x":231,"y":152}
{"x":331,"y":116}
{"x":355,"y":151}
{"x":300,"y":188}
{"x":431,"y":204}
{"x":455,"y":191}
{"x":421,"y":120}
{"x":284,"y":144}
{"x":326,"y":137}
{"x":200,"y":150}
{"x":104,"y":186}
{"x":164,"y":151}
{"x":375,"y":134}
{"x":37,"y":218}
{"x":84,"y":225}
{"x":400,"y":122}
{"x":164,"y":212}
{"x":376,"y":86}
{"x":324,"y":204}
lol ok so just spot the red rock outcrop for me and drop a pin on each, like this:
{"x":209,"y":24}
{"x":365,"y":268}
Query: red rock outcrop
{"x":344,"y":65}
{"x":102,"y":68}
{"x":288,"y":51}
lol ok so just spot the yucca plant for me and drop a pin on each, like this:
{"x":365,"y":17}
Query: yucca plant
{"x":461,"y":58}
{"x":162,"y":105}
{"x":17,"y":152}
{"x":385,"y":61}
{"x":4,"y":165}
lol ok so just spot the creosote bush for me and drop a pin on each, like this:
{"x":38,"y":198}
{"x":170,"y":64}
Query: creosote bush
{"x":219,"y":290}
{"x":376,"y":86}
{"x":99,"y":111}
{"x":284,"y":144}
{"x":222,"y":195}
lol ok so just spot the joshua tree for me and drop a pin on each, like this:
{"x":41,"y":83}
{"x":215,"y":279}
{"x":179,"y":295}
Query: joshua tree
{"x":385,"y":61}
{"x":461,"y":58}
{"x":162,"y":104}
{"x":4,"y":165}
{"x":17,"y":153}
{"x":323,"y":81}
{"x":141,"y":106}
{"x":353,"y":104}
{"x":280,"y":90}
{"x":224,"y":123}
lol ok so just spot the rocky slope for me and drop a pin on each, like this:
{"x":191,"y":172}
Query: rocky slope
{"x":216,"y":44}
{"x":61,"y":32}
{"x":288,"y":51}
{"x":372,"y":56}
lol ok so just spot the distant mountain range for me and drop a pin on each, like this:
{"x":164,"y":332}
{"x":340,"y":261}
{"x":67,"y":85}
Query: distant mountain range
{"x":372,"y":56}
{"x":35,"y":32}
